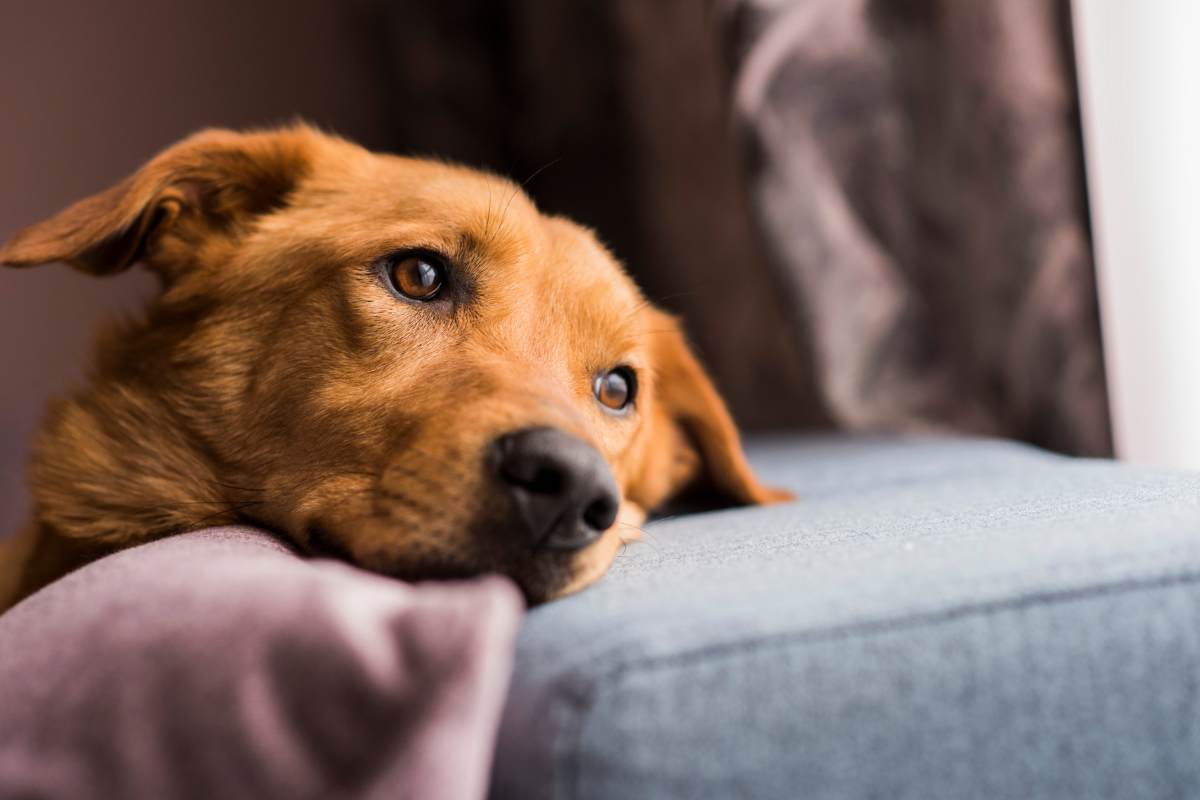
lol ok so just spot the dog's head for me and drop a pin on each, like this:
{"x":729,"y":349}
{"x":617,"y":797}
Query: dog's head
{"x":396,"y":361}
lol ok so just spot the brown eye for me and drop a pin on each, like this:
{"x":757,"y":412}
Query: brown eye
{"x":417,"y":276}
{"x":616,"y":388}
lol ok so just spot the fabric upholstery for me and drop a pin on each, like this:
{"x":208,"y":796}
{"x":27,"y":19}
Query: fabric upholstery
{"x":220,"y":665}
{"x":934,"y":619}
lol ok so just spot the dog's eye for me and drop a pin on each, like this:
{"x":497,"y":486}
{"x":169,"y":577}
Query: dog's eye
{"x":616,"y":388}
{"x":417,"y":276}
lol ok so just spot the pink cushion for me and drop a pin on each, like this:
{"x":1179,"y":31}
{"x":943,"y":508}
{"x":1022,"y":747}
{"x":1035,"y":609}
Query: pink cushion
{"x":218,"y":664}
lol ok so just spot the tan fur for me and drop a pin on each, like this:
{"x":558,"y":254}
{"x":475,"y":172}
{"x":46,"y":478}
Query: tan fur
{"x":275,"y":381}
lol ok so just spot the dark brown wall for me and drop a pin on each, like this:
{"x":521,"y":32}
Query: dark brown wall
{"x":90,"y":90}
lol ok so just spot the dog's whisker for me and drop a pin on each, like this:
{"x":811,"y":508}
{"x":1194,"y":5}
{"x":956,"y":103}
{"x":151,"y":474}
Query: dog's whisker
{"x":706,"y":286}
{"x":540,"y":170}
{"x":645,"y":535}
{"x":487,"y":218}
{"x":517,"y":190}
{"x":236,"y":488}
{"x":504,"y":213}
{"x":645,"y":302}
{"x":487,"y":222}
{"x":234,"y":510}
{"x":407,"y":500}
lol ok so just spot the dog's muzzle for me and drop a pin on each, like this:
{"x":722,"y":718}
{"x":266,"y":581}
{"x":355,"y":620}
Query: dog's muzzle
{"x":562,"y":489}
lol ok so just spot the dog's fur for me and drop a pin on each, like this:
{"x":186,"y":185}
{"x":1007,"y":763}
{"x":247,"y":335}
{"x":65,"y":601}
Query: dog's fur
{"x":275,"y":381}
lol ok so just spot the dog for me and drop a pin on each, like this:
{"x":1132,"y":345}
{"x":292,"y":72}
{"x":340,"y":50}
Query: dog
{"x":392,"y":361}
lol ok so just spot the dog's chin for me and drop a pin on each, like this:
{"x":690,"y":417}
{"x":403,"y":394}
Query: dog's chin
{"x":548,"y":577}
{"x":541,"y":575}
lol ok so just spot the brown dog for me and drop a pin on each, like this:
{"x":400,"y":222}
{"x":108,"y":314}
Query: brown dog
{"x":393,"y":361}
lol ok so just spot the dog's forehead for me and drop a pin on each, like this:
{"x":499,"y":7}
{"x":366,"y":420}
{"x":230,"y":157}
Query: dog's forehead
{"x":581,"y":259}
{"x":521,"y":259}
{"x":571,"y":279}
{"x":452,"y":193}
{"x":513,"y":239}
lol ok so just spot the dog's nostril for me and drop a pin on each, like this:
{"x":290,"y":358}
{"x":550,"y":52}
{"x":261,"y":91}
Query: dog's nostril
{"x":601,"y":514}
{"x":546,"y":480}
{"x":533,"y":473}
{"x":561,"y":487}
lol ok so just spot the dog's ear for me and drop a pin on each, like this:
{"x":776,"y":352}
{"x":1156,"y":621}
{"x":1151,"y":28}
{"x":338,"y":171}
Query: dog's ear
{"x":691,"y":435}
{"x":213,"y":181}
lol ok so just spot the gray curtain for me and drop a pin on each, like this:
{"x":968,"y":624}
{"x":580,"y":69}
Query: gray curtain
{"x":869,"y":214}
{"x":916,"y":170}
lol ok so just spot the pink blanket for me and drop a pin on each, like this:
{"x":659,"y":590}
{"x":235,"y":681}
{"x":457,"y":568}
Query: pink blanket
{"x":218,"y":664}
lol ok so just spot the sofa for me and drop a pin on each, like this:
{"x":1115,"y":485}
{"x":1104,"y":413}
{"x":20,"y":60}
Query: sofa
{"x":933,"y":618}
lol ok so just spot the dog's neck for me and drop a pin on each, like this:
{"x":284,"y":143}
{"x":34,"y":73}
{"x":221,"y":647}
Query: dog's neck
{"x":111,"y":468}
{"x":119,"y":466}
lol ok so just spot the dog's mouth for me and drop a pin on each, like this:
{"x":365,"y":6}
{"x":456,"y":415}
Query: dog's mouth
{"x":540,"y":574}
{"x":537,"y":505}
{"x":320,"y":542}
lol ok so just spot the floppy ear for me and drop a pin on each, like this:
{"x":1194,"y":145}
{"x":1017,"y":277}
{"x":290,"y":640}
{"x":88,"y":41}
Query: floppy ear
{"x":692,"y":435}
{"x":207,"y":182}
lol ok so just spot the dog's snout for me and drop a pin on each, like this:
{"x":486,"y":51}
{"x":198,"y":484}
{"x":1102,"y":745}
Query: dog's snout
{"x":561,"y":486}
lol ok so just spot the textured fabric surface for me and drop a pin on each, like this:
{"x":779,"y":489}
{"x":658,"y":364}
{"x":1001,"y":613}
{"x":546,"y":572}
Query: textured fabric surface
{"x":219,"y":665}
{"x":935,"y":619}
{"x":917,"y":171}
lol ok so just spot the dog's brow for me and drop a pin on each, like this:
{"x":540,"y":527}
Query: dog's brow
{"x":470,"y":248}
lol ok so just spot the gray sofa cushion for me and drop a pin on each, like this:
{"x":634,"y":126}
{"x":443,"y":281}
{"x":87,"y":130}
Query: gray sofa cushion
{"x":935,"y":619}
{"x":219,"y":665}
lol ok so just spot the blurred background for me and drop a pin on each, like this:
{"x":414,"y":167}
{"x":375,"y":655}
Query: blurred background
{"x":871,"y":215}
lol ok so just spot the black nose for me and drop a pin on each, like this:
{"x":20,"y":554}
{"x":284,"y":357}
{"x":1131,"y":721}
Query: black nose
{"x":562,"y":488}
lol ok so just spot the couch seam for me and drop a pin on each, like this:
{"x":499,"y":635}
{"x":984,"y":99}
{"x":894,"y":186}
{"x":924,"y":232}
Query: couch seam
{"x":943,"y":476}
{"x":584,"y":699}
